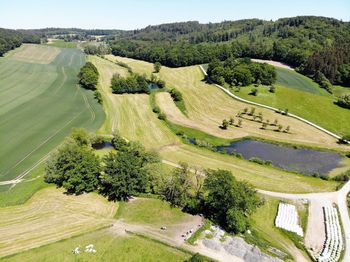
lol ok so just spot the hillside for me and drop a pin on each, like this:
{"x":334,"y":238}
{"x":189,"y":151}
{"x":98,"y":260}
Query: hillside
{"x":289,"y":40}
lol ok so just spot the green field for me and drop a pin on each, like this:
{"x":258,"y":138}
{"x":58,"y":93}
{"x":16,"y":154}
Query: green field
{"x":132,"y":116}
{"x":109,"y":246}
{"x":315,"y":104}
{"x":62,"y":44}
{"x":40,"y":104}
{"x":143,"y":210}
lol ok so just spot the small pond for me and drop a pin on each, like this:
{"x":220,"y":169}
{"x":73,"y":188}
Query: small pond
{"x":153,"y":86}
{"x":102,"y":145}
{"x":301,"y":160}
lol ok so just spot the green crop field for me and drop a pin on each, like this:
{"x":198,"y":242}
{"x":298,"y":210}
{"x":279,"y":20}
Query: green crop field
{"x":289,"y":78}
{"x":62,"y":44}
{"x":40,"y":104}
{"x":109,"y":247}
{"x":315,"y":104}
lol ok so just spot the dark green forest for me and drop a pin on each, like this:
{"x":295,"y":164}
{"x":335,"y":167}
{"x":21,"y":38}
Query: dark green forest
{"x":303,"y":42}
{"x":241,"y":72}
{"x":11,"y":39}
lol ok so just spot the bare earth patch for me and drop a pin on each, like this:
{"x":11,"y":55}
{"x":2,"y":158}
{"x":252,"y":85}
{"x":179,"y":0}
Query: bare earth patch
{"x":274,"y":63}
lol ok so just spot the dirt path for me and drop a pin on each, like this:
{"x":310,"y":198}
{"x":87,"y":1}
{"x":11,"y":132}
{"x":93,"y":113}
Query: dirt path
{"x":121,"y":228}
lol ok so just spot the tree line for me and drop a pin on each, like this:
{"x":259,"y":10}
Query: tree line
{"x":11,"y":39}
{"x":332,"y":64}
{"x":241,"y":72}
{"x":132,"y":170}
{"x":134,"y":83}
{"x":289,"y":40}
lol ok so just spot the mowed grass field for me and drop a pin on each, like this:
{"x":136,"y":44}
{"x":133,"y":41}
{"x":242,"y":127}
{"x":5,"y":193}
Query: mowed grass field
{"x":109,"y":246}
{"x":304,"y":98}
{"x":40,"y":104}
{"x":136,"y":121}
{"x":207,"y":106}
{"x":49,"y":216}
{"x":143,"y":210}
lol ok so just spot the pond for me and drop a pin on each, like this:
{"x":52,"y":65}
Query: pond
{"x":153,"y":86}
{"x":102,"y":145}
{"x":301,"y":160}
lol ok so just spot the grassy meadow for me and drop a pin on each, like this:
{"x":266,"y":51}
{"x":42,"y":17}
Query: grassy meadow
{"x":127,"y":113}
{"x":143,"y":210}
{"x":304,"y":98}
{"x":50,"y":216}
{"x":109,"y":246}
{"x":207,"y":106}
{"x":41,"y":102}
{"x":60,"y":43}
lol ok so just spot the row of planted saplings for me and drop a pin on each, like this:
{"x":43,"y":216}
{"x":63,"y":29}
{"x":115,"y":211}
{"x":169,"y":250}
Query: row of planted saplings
{"x":257,"y":117}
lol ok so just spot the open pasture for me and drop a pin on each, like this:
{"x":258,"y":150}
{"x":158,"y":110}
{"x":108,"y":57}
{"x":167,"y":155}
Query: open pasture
{"x":309,"y":102}
{"x":207,"y":106}
{"x":109,"y":247}
{"x":49,"y":216}
{"x":39,"y":106}
{"x":136,"y":121}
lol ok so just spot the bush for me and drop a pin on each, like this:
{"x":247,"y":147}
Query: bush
{"x":162,"y":116}
{"x":176,"y":95}
{"x":98,"y":96}
{"x":88,"y":76}
{"x":132,"y":84}
{"x":254,"y":92}
{"x":344,"y":101}
{"x":260,"y":161}
{"x":272,"y":89}
{"x":156,"y":109}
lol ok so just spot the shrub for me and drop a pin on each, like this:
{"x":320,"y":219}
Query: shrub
{"x":176,"y":95}
{"x":162,"y":116}
{"x":156,"y":109}
{"x":344,"y":101}
{"x":98,"y":97}
{"x":254,"y":92}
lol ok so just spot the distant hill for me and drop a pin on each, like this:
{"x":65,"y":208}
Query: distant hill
{"x":290,"y":40}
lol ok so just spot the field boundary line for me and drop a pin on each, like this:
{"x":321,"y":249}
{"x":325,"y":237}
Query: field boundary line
{"x":273,"y":109}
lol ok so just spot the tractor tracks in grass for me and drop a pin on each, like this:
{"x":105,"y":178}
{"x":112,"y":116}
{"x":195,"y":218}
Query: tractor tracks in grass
{"x":38,"y":147}
{"x":88,"y":105}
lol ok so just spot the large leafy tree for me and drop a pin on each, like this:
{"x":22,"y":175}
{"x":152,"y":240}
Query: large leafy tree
{"x":88,"y":76}
{"x":177,"y":188}
{"x":228,"y":201}
{"x":126,"y":172}
{"x":73,"y":167}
